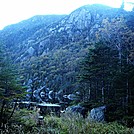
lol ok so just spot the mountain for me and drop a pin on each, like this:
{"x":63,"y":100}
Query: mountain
{"x":49,"y":48}
{"x":19,"y":32}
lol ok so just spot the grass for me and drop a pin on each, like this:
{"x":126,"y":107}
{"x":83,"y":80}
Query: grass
{"x":25,"y":122}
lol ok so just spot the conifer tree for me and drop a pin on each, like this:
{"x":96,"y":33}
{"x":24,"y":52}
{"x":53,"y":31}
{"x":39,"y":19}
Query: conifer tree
{"x":124,"y":86}
{"x":10,"y":88}
{"x":107,"y":79}
{"x":99,"y":69}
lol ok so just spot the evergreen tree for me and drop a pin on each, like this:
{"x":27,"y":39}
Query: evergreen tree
{"x":10,"y":89}
{"x":124,"y":93}
{"x":99,"y":69}
{"x":107,"y":79}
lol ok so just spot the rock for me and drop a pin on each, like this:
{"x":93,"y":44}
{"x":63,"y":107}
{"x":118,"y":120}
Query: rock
{"x":29,"y":82}
{"x":31,"y":51}
{"x":51,"y":95}
{"x":78,"y":109}
{"x":47,"y":90}
{"x":36,"y":95}
{"x":29,"y":94}
{"x":97,"y":114}
{"x":29,"y":90}
{"x":42,"y":94}
{"x":72,"y":97}
{"x":64,"y":96}
{"x":39,"y":94}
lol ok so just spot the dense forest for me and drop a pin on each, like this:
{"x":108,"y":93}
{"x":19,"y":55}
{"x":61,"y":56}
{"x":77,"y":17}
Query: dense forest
{"x":81,"y":62}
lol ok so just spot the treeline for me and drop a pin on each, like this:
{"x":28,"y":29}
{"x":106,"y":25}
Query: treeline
{"x":106,"y":78}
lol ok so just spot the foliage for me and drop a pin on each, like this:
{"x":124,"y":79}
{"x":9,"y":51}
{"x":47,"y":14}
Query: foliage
{"x":57,"y":70}
{"x":10,"y":88}
{"x":70,"y":123}
{"x":57,"y":56}
{"x":98,"y":69}
{"x":25,"y":118}
{"x":108,"y":80}
{"x":59,"y":48}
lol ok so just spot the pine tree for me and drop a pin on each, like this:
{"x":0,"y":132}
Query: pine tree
{"x":10,"y":89}
{"x":124,"y":86}
{"x":107,"y":79}
{"x":99,"y":69}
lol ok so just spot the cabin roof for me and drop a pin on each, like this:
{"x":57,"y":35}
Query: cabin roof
{"x":48,"y":105}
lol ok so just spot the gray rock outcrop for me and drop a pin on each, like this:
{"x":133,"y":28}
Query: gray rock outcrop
{"x":78,"y":109}
{"x":97,"y":114}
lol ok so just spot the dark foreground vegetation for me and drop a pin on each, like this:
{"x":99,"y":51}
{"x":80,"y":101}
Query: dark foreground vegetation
{"x":26,"y":122}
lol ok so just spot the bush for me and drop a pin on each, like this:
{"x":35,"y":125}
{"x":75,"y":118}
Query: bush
{"x":27,"y":119}
{"x":128,"y":121}
{"x":72,"y":124}
{"x":25,"y":122}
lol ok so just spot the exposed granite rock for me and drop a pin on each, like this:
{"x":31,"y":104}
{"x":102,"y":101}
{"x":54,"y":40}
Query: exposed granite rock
{"x":31,"y":51}
{"x":97,"y":114}
{"x":78,"y":109}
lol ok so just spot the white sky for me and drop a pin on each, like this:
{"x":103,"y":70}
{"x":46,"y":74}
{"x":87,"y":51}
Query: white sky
{"x":13,"y":11}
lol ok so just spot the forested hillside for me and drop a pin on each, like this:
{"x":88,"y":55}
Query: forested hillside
{"x":86,"y":57}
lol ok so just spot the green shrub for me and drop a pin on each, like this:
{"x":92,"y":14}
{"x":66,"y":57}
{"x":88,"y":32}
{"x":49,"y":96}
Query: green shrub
{"x":68,"y":123}
{"x":72,"y":124}
{"x":52,"y":121}
{"x":25,"y":118}
{"x":128,"y":121}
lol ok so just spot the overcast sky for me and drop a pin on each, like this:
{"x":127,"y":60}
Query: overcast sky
{"x":13,"y":11}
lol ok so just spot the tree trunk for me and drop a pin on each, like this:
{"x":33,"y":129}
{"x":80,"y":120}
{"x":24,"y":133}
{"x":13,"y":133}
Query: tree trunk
{"x":12,"y":111}
{"x":102,"y":93}
{"x":1,"y":114}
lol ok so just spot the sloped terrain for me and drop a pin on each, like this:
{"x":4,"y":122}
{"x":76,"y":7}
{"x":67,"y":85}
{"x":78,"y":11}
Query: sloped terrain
{"x":49,"y":49}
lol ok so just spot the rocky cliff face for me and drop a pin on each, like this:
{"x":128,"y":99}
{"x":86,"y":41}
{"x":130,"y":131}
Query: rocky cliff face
{"x":49,"y":48}
{"x":17,"y":33}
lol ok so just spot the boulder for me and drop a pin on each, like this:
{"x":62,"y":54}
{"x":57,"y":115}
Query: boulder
{"x":39,"y":94}
{"x":42,"y":94}
{"x":29,"y":94}
{"x":31,"y":51}
{"x":29,"y":82}
{"x":78,"y":109}
{"x":72,"y":97}
{"x":51,"y":95}
{"x":98,"y":114}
